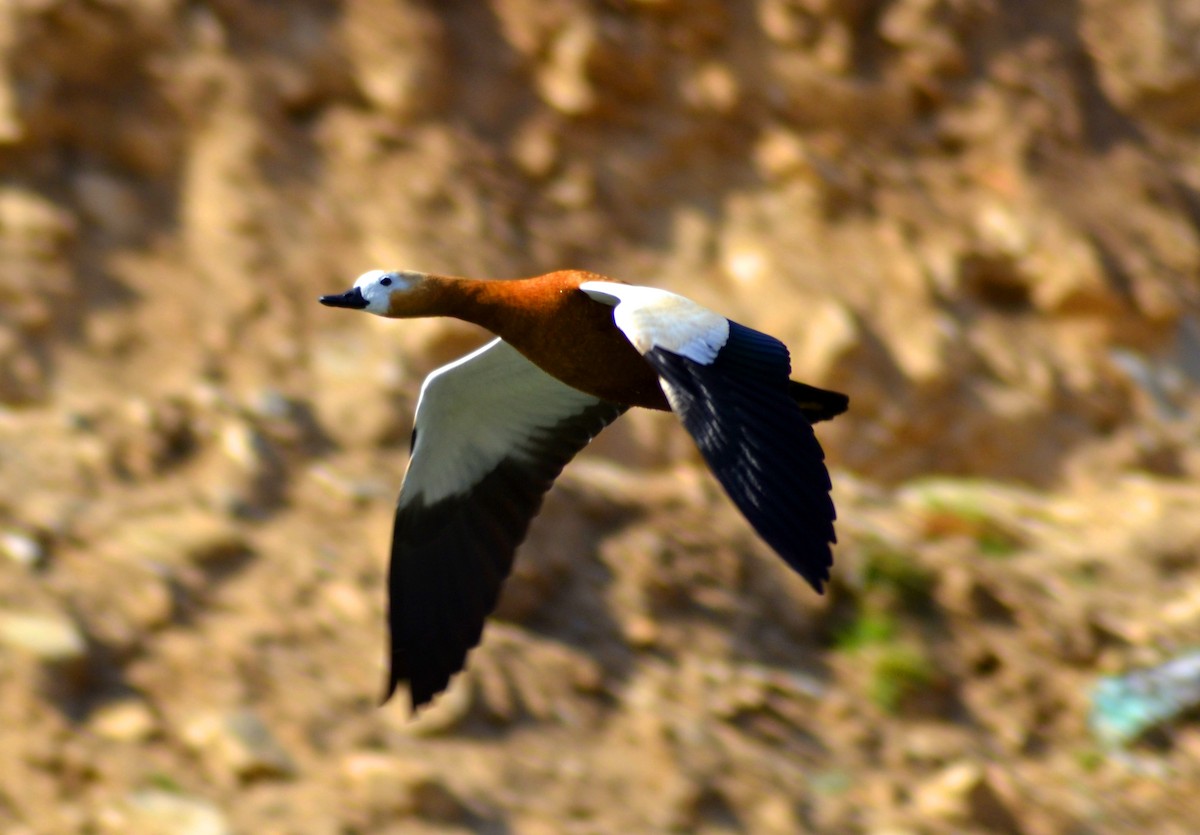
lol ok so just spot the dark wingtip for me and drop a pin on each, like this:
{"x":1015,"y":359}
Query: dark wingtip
{"x":818,"y":404}
{"x":351,"y":299}
{"x":820,"y":583}
{"x":389,"y":690}
{"x":416,"y":702}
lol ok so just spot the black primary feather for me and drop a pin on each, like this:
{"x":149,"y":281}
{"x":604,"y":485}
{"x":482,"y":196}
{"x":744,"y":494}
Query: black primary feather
{"x":817,"y":404}
{"x":743,"y":413}
{"x":450,"y":558}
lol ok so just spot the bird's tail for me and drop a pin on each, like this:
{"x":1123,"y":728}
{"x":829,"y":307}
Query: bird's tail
{"x":817,"y":404}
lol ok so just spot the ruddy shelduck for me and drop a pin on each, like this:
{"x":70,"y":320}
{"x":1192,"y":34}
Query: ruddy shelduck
{"x":494,"y":429}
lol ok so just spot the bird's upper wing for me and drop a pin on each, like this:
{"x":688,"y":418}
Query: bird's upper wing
{"x":729,"y":386}
{"x":492,"y":432}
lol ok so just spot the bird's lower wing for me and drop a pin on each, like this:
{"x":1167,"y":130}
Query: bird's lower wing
{"x":729,"y":385}
{"x":492,"y":432}
{"x":758,"y":444}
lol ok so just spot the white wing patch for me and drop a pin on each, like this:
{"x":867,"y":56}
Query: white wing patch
{"x":653,"y":318}
{"x":477,"y":411}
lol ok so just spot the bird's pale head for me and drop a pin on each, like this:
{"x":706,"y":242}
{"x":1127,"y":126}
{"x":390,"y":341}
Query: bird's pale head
{"x":375,"y":291}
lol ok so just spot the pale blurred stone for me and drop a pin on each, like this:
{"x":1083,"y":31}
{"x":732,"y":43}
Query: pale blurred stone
{"x":535,"y":148}
{"x":931,"y":48}
{"x":1002,"y":229}
{"x":12,"y":130}
{"x":126,"y":720}
{"x":563,"y":80}
{"x":109,"y":204}
{"x":964,"y":792}
{"x":514,"y":673}
{"x":243,"y":444}
{"x":32,"y":223}
{"x":156,"y":435}
{"x":355,"y":381}
{"x":780,"y":153}
{"x":397,"y":52}
{"x":349,"y":486}
{"x":777,"y":815}
{"x":575,"y":188}
{"x":345,"y":602}
{"x":786,"y":22}
{"x":712,"y":87}
{"x":22,"y":548}
{"x":396,"y":786}
{"x":48,"y":636}
{"x":178,"y":536}
{"x":1070,"y":273}
{"x":238,"y":744}
{"x":746,"y":263}
{"x":1145,"y":56}
{"x":641,"y":630}
{"x":945,"y":795}
{"x":255,"y":481}
{"x":155,"y":812}
{"x":145,"y":604}
{"x":830,"y":332}
{"x":214,"y":215}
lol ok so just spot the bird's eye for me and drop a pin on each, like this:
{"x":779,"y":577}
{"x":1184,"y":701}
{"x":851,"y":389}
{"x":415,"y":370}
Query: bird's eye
{"x":386,"y":281}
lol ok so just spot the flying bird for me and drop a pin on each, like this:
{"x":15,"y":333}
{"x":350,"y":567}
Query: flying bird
{"x":574,"y":350}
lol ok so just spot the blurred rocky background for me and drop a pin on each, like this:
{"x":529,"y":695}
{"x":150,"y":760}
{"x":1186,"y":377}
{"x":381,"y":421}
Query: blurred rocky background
{"x":980,"y":218}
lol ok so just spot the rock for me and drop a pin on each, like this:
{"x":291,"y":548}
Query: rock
{"x":124,"y":720}
{"x":286,"y":420}
{"x":575,"y":188}
{"x":179,"y":536}
{"x":746,"y":263}
{"x":786,"y":23}
{"x":1145,"y":57}
{"x":516,"y":675}
{"x":33,"y":226}
{"x":397,"y":51}
{"x":155,"y":812}
{"x":22,"y":378}
{"x":22,"y":548}
{"x":712,"y":87}
{"x":11,"y":128}
{"x":155,"y":436}
{"x":37,"y":238}
{"x":238,"y":744}
{"x":780,"y":154}
{"x":57,"y":654}
{"x":353,"y":485}
{"x":777,"y":815}
{"x":355,"y":386}
{"x":48,"y":636}
{"x":109,"y":204}
{"x":930,"y":48}
{"x":563,"y":79}
{"x":535,"y":147}
{"x":964,"y":793}
{"x":249,"y":449}
{"x":829,"y":339}
{"x":128,"y":620}
{"x":249,"y":479}
{"x":391,"y":785}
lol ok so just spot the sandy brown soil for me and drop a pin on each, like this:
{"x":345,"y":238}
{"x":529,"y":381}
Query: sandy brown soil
{"x":980,"y":218}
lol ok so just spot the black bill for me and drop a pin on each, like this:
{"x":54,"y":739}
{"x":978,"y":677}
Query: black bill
{"x":352,"y":299}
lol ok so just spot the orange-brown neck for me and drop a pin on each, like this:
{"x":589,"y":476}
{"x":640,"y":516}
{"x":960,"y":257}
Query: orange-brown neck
{"x":501,"y":306}
{"x":547,"y":318}
{"x":434,"y":295}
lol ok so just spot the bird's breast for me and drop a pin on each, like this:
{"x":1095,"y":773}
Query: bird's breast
{"x":575,"y":340}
